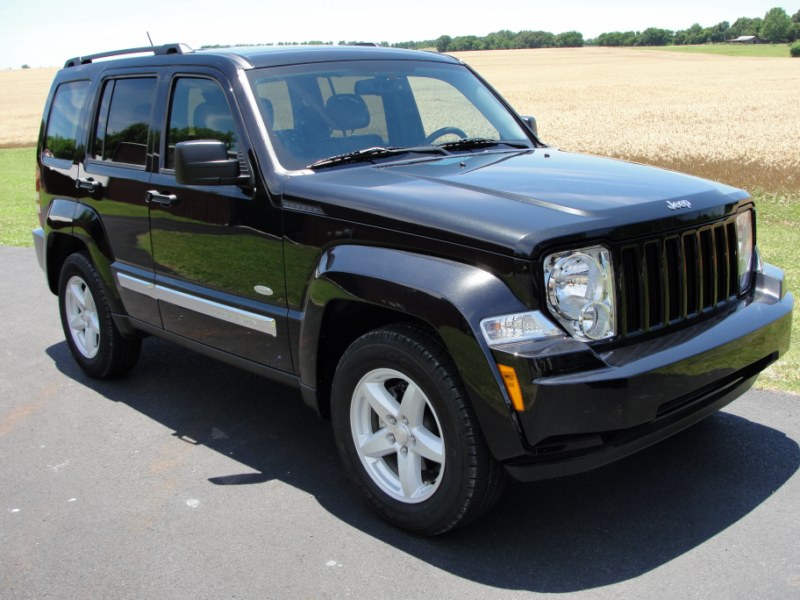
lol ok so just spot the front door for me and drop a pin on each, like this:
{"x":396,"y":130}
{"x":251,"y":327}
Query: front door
{"x":217,"y":250}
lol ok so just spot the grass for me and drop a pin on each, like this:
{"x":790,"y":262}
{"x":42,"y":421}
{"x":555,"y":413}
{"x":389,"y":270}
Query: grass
{"x":736,"y":50}
{"x":779,"y":240}
{"x":18,"y":215}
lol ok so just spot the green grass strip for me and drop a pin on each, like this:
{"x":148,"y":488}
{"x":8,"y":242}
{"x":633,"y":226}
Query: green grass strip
{"x":736,"y":50}
{"x":17,"y":190}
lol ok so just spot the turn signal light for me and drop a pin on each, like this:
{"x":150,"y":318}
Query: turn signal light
{"x":512,"y":386}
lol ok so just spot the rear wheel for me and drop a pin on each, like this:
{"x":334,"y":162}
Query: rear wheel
{"x":93,"y":339}
{"x":407,"y":435}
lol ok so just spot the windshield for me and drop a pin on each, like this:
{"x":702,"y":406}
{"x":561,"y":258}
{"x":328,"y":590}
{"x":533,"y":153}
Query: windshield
{"x":317,"y":111}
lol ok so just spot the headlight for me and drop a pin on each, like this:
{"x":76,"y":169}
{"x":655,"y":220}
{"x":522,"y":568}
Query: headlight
{"x":580,"y":291}
{"x":745,"y":251}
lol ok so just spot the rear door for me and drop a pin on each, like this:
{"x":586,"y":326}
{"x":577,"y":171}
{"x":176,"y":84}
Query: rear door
{"x":218,"y":254}
{"x":115,"y":178}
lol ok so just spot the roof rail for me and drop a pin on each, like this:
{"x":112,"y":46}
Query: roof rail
{"x":155,"y":50}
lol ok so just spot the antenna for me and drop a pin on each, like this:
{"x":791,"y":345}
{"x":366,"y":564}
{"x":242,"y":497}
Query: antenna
{"x":151,"y":39}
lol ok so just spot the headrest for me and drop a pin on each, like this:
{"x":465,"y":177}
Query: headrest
{"x":213,"y":116}
{"x":347,"y":112}
{"x":267,"y":111}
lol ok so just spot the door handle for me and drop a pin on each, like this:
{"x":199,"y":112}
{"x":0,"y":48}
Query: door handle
{"x":88,"y":185}
{"x":155,"y":197}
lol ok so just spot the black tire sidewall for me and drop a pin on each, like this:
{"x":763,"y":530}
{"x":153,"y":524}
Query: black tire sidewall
{"x":100,"y":364}
{"x":378,"y":350}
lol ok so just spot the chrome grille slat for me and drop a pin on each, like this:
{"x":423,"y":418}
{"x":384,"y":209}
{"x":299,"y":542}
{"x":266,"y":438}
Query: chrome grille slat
{"x":670,"y":279}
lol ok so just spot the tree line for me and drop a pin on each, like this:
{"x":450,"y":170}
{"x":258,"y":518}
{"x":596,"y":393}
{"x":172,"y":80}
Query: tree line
{"x":776,"y":27}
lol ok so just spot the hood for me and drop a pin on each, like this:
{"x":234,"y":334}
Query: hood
{"x":516,"y":200}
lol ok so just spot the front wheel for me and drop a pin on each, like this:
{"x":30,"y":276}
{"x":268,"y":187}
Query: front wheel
{"x":407,"y":435}
{"x":93,"y":339}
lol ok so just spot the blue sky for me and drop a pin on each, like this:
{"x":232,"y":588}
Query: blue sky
{"x":45,"y":33}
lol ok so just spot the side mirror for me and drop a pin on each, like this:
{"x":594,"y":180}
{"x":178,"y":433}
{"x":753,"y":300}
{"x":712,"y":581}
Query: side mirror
{"x":206,"y":162}
{"x":531,"y":123}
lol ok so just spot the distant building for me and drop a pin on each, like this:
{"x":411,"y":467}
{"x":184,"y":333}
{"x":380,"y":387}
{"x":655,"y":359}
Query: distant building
{"x":745,"y":39}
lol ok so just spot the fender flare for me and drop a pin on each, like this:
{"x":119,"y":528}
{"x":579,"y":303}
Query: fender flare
{"x":451,"y":297}
{"x":80,"y":223}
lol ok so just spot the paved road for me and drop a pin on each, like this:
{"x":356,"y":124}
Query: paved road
{"x":190,"y":479}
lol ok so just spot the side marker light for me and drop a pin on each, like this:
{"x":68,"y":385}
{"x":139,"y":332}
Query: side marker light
{"x":512,"y":386}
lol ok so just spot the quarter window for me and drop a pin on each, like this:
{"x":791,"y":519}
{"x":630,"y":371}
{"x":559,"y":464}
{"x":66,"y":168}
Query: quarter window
{"x":123,"y":122}
{"x":62,"y":127}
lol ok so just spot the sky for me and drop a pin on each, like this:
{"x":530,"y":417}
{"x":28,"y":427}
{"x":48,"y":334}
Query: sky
{"x":42,"y":33}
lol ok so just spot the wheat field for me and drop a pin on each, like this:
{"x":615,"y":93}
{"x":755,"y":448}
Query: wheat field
{"x":22,"y":96}
{"x":732,"y":119}
{"x":736,"y":120}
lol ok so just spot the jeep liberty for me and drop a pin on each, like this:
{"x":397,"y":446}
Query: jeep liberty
{"x":380,"y":230}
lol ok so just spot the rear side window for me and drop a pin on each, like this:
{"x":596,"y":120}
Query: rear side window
{"x":60,"y":138}
{"x":123,"y":121}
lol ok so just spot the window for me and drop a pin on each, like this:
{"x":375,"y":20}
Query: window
{"x":275,"y":104}
{"x":321,"y":110}
{"x":123,"y":122}
{"x":441,"y":104}
{"x":62,"y":128}
{"x":320,"y":113}
{"x":199,"y":111}
{"x":341,"y":85}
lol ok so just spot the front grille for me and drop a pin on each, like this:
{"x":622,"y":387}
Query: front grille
{"x":670,"y":279}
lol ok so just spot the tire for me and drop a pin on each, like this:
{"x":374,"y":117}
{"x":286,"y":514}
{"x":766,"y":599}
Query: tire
{"x":407,"y":435}
{"x":93,"y":339}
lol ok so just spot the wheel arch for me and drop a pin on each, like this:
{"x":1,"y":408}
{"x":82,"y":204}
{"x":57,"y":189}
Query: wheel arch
{"x":59,"y":247}
{"x":75,"y":227}
{"x":357,"y":289}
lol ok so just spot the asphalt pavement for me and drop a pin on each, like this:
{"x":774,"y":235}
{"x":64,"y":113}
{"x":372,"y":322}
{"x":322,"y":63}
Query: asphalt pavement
{"x":192,"y":479}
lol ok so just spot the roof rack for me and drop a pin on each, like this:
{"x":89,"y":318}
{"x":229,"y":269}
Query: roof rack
{"x":155,"y":50}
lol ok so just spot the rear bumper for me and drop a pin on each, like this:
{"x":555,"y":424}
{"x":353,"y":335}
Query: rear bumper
{"x":617,"y":402}
{"x":38,"y":243}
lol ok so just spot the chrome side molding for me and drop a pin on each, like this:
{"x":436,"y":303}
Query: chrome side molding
{"x":230,"y":314}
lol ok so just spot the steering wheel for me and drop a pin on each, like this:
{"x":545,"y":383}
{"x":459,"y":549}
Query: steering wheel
{"x":442,"y":131}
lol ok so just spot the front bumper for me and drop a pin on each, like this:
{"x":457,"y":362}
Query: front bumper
{"x":587,"y":408}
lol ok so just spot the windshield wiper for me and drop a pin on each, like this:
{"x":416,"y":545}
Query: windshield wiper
{"x":477,"y":142}
{"x":368,"y":154}
{"x":376,"y":152}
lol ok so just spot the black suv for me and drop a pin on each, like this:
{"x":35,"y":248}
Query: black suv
{"x":380,"y":230}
